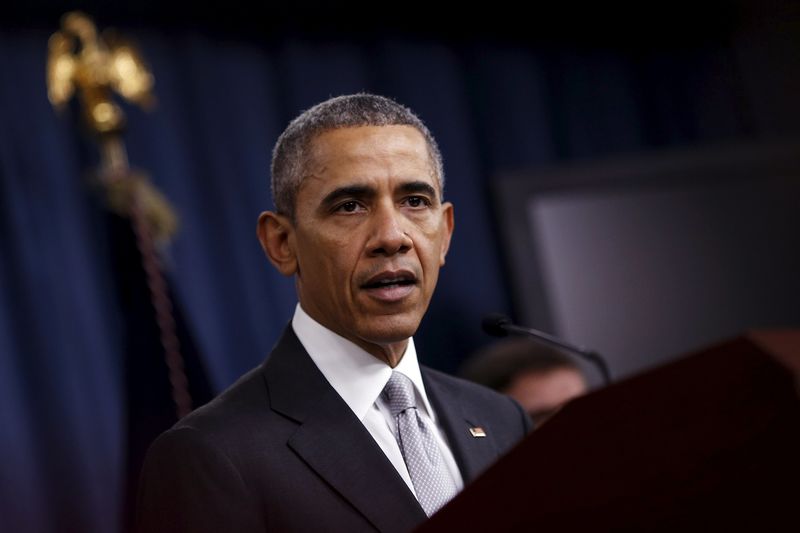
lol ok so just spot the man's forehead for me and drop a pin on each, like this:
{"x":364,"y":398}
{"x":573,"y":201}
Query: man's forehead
{"x":401,"y":147}
{"x":368,"y":142}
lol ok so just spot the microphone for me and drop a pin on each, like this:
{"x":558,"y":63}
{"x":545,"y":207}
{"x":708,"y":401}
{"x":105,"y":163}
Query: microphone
{"x":498,"y":325}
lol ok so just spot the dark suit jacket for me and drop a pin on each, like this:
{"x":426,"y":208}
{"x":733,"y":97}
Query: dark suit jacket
{"x":281,"y":451}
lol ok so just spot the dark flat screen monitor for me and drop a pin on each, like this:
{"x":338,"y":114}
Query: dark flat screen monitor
{"x":645,"y":258}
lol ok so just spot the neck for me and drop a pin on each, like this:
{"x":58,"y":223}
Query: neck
{"x":391,"y":354}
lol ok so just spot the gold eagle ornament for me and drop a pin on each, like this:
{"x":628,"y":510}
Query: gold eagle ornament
{"x":94,"y":67}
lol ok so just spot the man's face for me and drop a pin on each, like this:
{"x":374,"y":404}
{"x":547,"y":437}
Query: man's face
{"x":370,"y":233}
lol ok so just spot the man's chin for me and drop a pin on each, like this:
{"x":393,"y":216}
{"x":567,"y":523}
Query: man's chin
{"x":391,"y":329}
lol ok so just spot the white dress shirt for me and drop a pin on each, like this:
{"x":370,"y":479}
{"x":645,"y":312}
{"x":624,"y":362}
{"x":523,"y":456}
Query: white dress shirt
{"x":359,"y":378}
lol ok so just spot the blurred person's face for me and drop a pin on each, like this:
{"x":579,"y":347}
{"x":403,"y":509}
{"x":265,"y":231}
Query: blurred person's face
{"x":542,"y":394}
{"x":369,"y":236}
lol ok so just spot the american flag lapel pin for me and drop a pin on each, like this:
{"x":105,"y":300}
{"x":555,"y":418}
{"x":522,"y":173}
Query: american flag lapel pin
{"x":477,"y":432}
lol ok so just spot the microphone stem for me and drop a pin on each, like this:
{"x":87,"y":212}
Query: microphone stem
{"x":593,"y":357}
{"x":601,"y":365}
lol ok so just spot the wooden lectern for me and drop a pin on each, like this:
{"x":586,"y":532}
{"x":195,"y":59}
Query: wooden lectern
{"x":710,"y":442}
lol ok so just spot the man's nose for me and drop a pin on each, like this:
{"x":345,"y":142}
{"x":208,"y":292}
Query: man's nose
{"x":388,"y":233}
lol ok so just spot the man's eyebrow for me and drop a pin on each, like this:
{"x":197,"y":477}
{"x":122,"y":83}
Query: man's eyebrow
{"x":349,"y":191}
{"x":418,"y":187}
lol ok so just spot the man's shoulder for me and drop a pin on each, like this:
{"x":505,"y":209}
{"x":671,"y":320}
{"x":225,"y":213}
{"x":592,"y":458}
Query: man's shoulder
{"x":462,"y":386}
{"x":239,"y":399}
{"x":248,"y":397}
{"x":470,"y":393}
{"x":497,"y":413}
{"x":229,"y":417}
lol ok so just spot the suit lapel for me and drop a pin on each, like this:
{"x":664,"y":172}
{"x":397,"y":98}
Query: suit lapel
{"x":334,"y":443}
{"x":456,"y":418}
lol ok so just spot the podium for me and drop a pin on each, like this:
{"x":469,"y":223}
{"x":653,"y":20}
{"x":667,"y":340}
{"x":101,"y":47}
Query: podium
{"x":709,"y":442}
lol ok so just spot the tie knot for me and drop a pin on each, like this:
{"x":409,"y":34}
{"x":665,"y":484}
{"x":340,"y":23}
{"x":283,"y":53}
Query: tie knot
{"x":399,"y":393}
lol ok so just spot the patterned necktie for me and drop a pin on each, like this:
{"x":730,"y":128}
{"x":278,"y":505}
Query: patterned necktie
{"x":432,"y":482}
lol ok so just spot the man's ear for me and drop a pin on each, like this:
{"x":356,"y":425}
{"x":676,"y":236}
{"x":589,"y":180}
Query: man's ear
{"x":276,"y":235}
{"x":448,"y":221}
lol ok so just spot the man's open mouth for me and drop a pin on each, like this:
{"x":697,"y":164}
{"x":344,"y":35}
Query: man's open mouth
{"x":388,"y":280}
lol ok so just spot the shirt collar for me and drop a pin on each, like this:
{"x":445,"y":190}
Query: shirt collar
{"x":355,"y":375}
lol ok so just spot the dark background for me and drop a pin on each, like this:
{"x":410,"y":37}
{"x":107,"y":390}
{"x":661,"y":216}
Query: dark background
{"x":83,"y":386}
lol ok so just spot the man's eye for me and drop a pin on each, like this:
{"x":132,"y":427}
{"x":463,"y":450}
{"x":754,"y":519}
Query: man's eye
{"x":348,"y":207}
{"x":417,"y":201}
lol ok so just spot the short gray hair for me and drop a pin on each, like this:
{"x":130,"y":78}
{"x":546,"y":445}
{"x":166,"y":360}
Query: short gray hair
{"x":292,"y":151}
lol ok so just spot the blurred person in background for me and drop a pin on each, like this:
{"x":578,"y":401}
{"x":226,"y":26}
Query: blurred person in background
{"x":540,"y":378}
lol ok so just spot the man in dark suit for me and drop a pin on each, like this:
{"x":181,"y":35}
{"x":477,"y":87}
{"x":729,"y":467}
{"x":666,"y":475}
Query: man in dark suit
{"x":340,"y":429}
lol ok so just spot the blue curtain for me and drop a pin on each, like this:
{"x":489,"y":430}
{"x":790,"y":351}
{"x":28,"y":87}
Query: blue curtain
{"x":222,"y":102}
{"x":61,"y":396}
